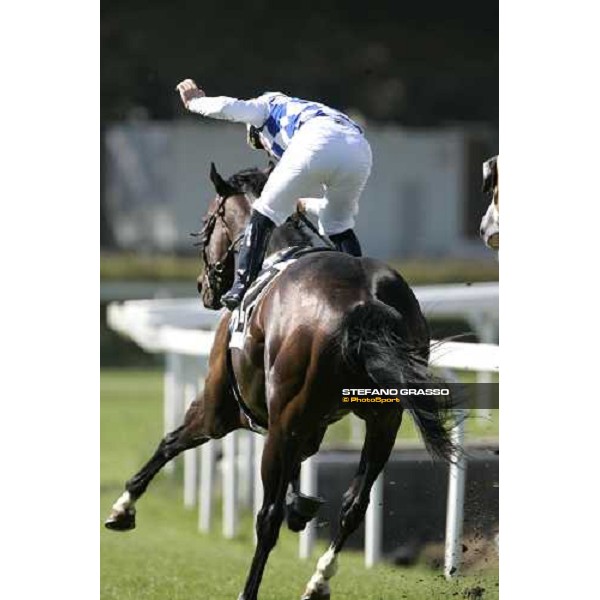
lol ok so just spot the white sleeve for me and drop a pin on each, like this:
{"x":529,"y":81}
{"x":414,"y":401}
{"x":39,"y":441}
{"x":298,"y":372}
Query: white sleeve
{"x":254,"y":112}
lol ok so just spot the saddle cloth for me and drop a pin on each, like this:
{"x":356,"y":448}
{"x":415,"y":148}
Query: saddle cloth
{"x":273,"y":266}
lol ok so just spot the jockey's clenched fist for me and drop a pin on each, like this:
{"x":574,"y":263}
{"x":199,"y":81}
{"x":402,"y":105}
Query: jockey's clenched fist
{"x":188,"y":90}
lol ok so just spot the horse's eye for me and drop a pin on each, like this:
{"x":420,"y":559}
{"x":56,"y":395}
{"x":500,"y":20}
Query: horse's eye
{"x":219,"y":267}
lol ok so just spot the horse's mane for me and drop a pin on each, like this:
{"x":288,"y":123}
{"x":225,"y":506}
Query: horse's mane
{"x":248,"y":181}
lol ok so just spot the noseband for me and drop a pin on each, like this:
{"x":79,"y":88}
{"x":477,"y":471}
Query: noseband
{"x":214,"y":272}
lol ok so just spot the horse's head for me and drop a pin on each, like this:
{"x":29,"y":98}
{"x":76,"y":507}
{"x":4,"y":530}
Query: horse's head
{"x":490,"y":223}
{"x":223,"y":228}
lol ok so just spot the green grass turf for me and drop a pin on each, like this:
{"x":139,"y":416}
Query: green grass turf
{"x":165,"y":558}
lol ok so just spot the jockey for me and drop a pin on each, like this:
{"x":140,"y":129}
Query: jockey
{"x":314,"y":146}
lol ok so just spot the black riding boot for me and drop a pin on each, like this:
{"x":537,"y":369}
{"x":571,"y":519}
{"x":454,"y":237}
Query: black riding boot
{"x":347,"y":242}
{"x":250,"y":260}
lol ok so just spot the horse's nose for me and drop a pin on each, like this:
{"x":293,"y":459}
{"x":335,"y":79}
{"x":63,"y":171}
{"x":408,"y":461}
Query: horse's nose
{"x":481,"y":231}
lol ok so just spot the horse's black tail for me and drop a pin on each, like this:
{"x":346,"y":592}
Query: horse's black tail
{"x":373,"y":347}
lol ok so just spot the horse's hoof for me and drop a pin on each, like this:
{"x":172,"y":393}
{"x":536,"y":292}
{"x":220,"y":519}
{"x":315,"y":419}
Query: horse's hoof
{"x":307,"y":505}
{"x":320,"y":591}
{"x":301,"y":510}
{"x":316,"y":595}
{"x":121,"y":520}
{"x":295,"y":523}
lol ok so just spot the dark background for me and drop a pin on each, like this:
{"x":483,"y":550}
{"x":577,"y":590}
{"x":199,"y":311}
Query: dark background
{"x":410,"y":63}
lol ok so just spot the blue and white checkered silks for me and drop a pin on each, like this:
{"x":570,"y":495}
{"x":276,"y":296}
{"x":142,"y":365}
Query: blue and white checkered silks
{"x":287,"y":115}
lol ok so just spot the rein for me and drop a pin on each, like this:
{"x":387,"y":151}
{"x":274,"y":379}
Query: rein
{"x":214,"y":272}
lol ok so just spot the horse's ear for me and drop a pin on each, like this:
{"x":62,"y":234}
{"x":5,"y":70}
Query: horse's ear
{"x":221,"y":186}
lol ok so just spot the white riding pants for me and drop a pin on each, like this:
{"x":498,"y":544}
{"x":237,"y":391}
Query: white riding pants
{"x":323,"y":155}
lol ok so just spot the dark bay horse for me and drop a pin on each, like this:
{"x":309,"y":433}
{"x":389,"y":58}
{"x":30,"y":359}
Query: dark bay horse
{"x":329,"y":321}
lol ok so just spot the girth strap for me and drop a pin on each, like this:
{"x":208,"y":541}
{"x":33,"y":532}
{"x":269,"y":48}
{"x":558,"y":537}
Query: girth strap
{"x":255,"y":423}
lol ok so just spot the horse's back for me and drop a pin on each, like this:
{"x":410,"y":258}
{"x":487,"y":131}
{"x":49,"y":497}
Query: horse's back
{"x":320,"y":289}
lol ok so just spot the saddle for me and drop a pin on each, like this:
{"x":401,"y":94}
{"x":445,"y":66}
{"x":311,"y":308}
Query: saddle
{"x":273,"y":266}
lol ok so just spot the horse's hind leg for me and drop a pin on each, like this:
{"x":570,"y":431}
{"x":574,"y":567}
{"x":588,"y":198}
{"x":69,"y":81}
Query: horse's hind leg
{"x":279,"y":462}
{"x":318,"y":586}
{"x":379,"y":441}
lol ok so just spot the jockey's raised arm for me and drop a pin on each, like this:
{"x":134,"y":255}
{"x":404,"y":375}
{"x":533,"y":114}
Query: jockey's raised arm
{"x":254,"y":111}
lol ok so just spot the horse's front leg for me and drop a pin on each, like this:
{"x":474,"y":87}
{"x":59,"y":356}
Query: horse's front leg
{"x":213,"y":414}
{"x":279,"y":465}
{"x":201,"y":424}
{"x":122,"y":513}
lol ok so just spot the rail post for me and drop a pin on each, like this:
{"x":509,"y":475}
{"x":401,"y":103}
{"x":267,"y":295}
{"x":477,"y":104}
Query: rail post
{"x":207,"y":480}
{"x":308,"y":486}
{"x":374,"y":524}
{"x":230,"y":485}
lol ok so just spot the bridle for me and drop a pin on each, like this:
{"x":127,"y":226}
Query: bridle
{"x":214,"y":273}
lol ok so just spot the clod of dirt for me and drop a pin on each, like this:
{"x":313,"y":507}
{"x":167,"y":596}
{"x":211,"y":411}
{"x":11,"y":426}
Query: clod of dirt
{"x":474,"y":593}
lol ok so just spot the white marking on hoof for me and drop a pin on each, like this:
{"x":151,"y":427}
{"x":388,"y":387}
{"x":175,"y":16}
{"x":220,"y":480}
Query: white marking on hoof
{"x":122,"y":504}
{"x":321,"y":590}
{"x":326,"y":568}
